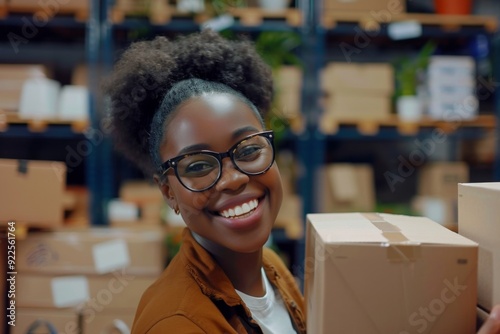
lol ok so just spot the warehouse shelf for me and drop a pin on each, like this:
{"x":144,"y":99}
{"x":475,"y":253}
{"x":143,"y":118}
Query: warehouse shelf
{"x":57,"y":21}
{"x":432,"y":24}
{"x":394,"y":127}
{"x":187,"y":25}
{"x":167,"y":16}
{"x":11,"y":124}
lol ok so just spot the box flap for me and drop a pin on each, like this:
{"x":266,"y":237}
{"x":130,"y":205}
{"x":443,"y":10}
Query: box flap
{"x":383,"y":228}
{"x":485,"y":185}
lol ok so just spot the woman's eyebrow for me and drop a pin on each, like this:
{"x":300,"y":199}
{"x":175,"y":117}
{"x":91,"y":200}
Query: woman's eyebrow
{"x":243,"y":130}
{"x":194,"y":148}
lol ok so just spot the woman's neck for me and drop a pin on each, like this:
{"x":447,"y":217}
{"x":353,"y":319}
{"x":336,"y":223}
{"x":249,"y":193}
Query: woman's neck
{"x":244,"y":270}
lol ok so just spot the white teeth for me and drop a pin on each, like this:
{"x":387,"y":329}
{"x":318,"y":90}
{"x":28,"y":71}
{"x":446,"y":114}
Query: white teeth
{"x":240,"y":210}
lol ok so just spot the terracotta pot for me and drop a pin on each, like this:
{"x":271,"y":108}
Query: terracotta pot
{"x":455,"y":7}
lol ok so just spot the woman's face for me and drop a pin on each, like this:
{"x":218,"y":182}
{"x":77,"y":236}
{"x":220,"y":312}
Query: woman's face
{"x":217,"y":122}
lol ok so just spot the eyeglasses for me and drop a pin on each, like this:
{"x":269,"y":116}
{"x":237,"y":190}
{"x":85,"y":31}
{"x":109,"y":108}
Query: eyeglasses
{"x":199,"y":171}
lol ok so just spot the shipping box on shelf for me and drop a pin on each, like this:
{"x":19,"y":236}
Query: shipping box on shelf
{"x":345,"y":83}
{"x":478,"y":219}
{"x":115,"y":291}
{"x":394,"y":6}
{"x":383,"y":273}
{"x":140,"y":204}
{"x":451,"y":85}
{"x":33,"y":320}
{"x":62,"y":6}
{"x":32,"y":192}
{"x":346,"y":187}
{"x":93,"y":251}
{"x":288,"y":87}
{"x":69,"y":320}
{"x":441,"y":179}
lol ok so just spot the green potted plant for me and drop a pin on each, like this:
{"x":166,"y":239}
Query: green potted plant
{"x":408,"y":70}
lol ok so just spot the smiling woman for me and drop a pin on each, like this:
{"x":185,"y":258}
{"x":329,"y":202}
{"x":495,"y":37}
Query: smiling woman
{"x":198,"y":129}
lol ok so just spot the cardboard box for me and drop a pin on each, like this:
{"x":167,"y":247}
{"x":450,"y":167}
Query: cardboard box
{"x":140,"y":192}
{"x":349,"y":106}
{"x":68,"y":321}
{"x":373,"y":78}
{"x":345,"y":188}
{"x":109,"y":322}
{"x":392,"y":6}
{"x":120,"y":290}
{"x":452,"y":69}
{"x":382,"y":273}
{"x":93,"y":251}
{"x":33,"y":320}
{"x":478,"y":219}
{"x":67,"y":6}
{"x":441,"y":179}
{"x":33,"y":192}
{"x":447,"y":110}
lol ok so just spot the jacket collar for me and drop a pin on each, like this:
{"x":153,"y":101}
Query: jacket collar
{"x":209,"y":275}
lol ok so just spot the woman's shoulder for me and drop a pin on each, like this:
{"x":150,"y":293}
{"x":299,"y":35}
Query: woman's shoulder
{"x":168,"y":299}
{"x":176,"y":301}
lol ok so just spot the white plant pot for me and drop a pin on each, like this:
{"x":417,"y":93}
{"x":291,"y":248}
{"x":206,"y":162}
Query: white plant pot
{"x":409,"y":108}
{"x":274,"y":4}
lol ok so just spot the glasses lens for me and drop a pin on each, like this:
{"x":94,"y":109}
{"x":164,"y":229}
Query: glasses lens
{"x":254,"y":155}
{"x":198,"y":171}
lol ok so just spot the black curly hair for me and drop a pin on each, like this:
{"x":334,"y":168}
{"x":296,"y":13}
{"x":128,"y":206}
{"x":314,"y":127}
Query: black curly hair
{"x":153,"y":77}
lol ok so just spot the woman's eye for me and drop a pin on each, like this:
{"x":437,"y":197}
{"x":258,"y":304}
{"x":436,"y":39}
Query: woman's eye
{"x":199,"y":168}
{"x":248,"y":152}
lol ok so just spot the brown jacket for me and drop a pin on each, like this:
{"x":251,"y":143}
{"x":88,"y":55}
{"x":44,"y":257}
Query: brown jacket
{"x":193,"y":295}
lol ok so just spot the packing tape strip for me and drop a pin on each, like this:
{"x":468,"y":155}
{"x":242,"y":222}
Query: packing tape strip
{"x":396,"y":252}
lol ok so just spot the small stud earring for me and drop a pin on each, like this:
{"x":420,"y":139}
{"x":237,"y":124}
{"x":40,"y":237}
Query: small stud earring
{"x":177,"y":211}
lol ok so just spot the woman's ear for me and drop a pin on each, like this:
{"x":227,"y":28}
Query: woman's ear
{"x":167,"y":192}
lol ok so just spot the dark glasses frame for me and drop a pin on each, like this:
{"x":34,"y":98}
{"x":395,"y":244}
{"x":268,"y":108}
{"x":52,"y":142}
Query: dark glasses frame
{"x":173,"y":163}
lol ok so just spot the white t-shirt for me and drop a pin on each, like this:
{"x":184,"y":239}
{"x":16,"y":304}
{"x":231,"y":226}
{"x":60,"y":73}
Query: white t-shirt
{"x":269,"y":311}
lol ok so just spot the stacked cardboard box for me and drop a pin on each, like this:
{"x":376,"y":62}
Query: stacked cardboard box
{"x":140,"y":203}
{"x":34,"y":194}
{"x":358,"y":91}
{"x":394,"y":6}
{"x":381,"y":273}
{"x":50,"y":11}
{"x":345,"y":187}
{"x":288,"y":93}
{"x":478,"y":219}
{"x":290,"y":215}
{"x":12,"y":78}
{"x":87,"y":279}
{"x":438,"y":191}
{"x":451,"y":83}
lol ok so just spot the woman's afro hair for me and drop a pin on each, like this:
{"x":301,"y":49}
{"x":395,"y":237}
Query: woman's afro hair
{"x":148,"y":69}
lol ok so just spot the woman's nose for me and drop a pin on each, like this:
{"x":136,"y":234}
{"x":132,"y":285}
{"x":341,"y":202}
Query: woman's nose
{"x":231,"y":178}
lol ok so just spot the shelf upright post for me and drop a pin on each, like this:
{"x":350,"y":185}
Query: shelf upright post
{"x":107,"y":151}
{"x":93,"y":161}
{"x":496,"y":80}
{"x":309,"y":148}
